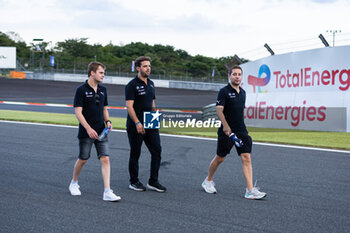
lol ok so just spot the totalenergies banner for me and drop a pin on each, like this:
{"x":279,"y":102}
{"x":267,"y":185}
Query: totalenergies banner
{"x":303,"y":90}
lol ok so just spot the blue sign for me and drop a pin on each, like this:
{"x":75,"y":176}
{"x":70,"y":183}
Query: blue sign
{"x":151,"y":120}
{"x":132,"y":66}
{"x":52,"y":60}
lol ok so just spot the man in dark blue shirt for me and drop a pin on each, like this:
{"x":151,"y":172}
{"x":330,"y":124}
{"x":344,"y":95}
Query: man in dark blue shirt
{"x":140,"y":96}
{"x":230,"y":110}
{"x":90,"y":103}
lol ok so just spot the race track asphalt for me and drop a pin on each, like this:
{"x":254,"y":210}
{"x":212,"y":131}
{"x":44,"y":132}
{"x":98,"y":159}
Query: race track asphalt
{"x":43,"y":91}
{"x":307,"y":189}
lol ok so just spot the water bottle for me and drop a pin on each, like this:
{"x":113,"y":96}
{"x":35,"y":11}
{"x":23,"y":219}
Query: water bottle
{"x":237,"y":141}
{"x":103,"y":134}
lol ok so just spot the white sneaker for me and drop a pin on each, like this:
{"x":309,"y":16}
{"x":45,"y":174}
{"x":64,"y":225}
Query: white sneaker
{"x":254,"y":194}
{"x":110,"y":196}
{"x":209,"y":186}
{"x":74,"y":189}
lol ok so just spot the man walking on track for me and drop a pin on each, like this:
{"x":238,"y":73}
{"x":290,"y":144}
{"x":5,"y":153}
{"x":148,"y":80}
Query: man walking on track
{"x":230,"y":110}
{"x":140,"y":96}
{"x":90,"y":103}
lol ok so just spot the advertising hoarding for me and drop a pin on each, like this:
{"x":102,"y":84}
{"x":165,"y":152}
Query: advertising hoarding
{"x":302,"y":90}
{"x":7,"y":57}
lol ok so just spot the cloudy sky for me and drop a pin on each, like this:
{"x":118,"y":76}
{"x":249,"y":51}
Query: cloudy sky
{"x":214,"y":28}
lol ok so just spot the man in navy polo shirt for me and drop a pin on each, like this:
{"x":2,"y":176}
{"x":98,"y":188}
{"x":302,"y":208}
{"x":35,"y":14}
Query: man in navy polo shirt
{"x":90,"y":103}
{"x":139,"y":96}
{"x":230,"y":110}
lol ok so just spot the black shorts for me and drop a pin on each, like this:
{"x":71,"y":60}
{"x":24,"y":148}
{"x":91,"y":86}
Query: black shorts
{"x":85,"y":144}
{"x":225,"y":144}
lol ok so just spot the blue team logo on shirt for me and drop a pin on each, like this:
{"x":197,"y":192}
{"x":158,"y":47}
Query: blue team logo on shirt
{"x":88,"y":94}
{"x":151,"y":120}
{"x":232,"y":95}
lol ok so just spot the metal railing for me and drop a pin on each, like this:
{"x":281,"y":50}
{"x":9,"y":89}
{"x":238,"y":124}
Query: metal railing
{"x":41,"y":66}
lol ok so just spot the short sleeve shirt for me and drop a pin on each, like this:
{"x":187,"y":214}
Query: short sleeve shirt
{"x":93,"y":105}
{"x":234,"y":104}
{"x":142,"y":95}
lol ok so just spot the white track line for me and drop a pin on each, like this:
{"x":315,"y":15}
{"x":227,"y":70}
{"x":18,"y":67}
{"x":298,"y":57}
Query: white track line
{"x":191,"y":137}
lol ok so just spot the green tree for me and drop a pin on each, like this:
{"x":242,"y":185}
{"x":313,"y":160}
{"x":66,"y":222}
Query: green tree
{"x":22,"y":49}
{"x":76,"y":47}
{"x":76,"y":54}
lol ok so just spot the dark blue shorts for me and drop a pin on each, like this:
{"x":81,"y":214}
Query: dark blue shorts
{"x":85,"y":144}
{"x":225,"y":144}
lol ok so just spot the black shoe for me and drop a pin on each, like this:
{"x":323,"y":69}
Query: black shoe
{"x":138,"y":186}
{"x":156,"y":187}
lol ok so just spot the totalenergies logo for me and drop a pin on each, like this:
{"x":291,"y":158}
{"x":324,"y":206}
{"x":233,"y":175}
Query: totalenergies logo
{"x":262,"y":80}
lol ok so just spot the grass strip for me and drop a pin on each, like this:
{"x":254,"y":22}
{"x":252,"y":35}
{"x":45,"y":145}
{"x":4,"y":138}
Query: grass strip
{"x":334,"y":140}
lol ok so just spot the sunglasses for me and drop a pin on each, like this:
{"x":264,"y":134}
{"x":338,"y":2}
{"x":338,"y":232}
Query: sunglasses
{"x":97,"y":99}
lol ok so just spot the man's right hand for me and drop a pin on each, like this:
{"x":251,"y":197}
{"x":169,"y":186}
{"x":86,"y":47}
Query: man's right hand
{"x":92,"y":133}
{"x":140,"y":129}
{"x":227,"y":130}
